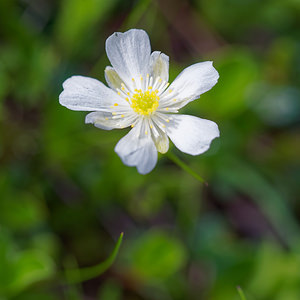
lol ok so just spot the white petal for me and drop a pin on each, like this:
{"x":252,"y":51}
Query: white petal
{"x":112,"y":78}
{"x":162,"y":143}
{"x":191,"y":83}
{"x":159,"y":65}
{"x":88,"y":94}
{"x":107,"y":121}
{"x":190,"y":134}
{"x":129,"y":54}
{"x":137,"y":150}
{"x":159,"y":137}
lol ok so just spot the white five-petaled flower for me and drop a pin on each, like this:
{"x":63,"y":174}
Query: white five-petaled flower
{"x":140,"y":96}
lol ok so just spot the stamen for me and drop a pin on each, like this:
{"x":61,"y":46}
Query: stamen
{"x":144,"y":103}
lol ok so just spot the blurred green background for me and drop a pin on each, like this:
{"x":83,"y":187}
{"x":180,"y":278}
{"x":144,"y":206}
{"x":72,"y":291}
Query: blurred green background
{"x":66,"y":196}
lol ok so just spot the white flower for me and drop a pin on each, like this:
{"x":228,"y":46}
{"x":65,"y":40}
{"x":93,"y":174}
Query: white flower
{"x":141,"y":97}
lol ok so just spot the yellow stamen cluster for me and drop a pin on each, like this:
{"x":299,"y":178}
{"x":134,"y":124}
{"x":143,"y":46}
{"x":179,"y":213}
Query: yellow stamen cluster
{"x":145,"y":102}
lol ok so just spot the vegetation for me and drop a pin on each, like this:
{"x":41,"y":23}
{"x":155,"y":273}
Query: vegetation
{"x":66,"y":196}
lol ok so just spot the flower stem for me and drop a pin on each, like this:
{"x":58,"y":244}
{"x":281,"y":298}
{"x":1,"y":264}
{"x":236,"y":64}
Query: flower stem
{"x":78,"y":275}
{"x":241,"y":293}
{"x":185,"y":167}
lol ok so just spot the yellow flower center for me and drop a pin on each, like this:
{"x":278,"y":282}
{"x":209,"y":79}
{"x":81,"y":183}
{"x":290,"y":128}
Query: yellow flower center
{"x":145,"y":103}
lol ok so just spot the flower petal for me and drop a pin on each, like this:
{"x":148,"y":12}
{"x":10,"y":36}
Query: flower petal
{"x":88,"y":94}
{"x":191,"y":83}
{"x":190,"y":134}
{"x":160,"y":139}
{"x":159,"y":65}
{"x":137,"y":150}
{"x":112,"y":78}
{"x":162,"y":143}
{"x":106,"y":121}
{"x":129,"y":54}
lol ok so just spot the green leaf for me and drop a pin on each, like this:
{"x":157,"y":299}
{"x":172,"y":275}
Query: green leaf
{"x":21,"y":211}
{"x":78,"y":18}
{"x":241,"y":293}
{"x":20,"y":270}
{"x":157,"y":255}
{"x":84,"y":274}
{"x":31,"y":266}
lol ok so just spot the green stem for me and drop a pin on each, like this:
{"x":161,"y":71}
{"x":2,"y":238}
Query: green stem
{"x":241,"y":293}
{"x":80,"y":275}
{"x":185,"y":167}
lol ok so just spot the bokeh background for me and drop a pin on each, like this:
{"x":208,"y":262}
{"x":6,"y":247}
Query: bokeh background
{"x":65,"y":196}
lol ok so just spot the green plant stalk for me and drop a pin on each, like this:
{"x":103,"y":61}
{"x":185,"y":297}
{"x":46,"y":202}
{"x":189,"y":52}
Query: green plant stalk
{"x":79,"y":275}
{"x":241,"y":293}
{"x":185,"y":167}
